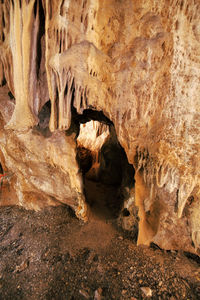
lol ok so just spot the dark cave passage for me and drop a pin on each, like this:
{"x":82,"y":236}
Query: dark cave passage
{"x":107,"y":175}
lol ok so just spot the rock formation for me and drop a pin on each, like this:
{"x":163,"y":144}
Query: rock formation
{"x":132,"y":65}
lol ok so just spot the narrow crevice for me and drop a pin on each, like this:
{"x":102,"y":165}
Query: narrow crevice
{"x":193,"y":257}
{"x":62,"y":8}
{"x":41,"y":33}
{"x":1,"y":169}
{"x":44,"y":118}
{"x":44,"y":114}
{"x":3,"y":81}
{"x":11,"y":96}
{"x":3,"y":21}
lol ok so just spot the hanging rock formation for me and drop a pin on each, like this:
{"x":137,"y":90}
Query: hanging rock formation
{"x":136,"y":61}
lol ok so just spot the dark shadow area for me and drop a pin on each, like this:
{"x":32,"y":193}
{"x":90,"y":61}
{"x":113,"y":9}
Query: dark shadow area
{"x":3,"y":81}
{"x":1,"y":178}
{"x":193,"y":257}
{"x":44,"y":117}
{"x":39,"y":8}
{"x":85,"y":159}
{"x":89,"y":114}
{"x":1,"y":169}
{"x":11,"y":96}
{"x":44,"y":114}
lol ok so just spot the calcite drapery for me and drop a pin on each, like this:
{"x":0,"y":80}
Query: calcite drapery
{"x":73,"y":70}
{"x":138,"y":62}
{"x":24,"y":26}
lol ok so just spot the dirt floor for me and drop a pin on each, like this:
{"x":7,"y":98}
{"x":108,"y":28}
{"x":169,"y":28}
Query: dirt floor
{"x":52,"y":255}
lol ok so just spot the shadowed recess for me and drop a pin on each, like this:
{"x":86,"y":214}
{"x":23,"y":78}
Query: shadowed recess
{"x":104,"y":165}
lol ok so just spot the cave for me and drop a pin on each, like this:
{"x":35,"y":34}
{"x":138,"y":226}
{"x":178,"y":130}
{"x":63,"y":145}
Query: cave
{"x":107,"y":175}
{"x":99,"y":149}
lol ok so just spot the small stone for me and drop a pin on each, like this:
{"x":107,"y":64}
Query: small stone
{"x":98,"y":294}
{"x":147,"y":291}
{"x":100,"y":268}
{"x":154,"y":271}
{"x":140,"y":281}
{"x":84,"y":293}
{"x":21,"y":267}
{"x":160,"y":283}
{"x":120,"y":238}
{"x":124,"y":292}
{"x":133,"y":298}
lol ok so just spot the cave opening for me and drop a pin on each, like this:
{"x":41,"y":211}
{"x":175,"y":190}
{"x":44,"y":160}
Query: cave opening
{"x":107,"y":175}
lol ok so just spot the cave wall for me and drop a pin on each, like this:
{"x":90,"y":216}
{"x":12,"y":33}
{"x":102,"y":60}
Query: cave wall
{"x":138,"y":62}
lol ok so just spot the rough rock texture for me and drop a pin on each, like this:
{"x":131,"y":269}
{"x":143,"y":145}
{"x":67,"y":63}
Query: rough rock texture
{"x":138,"y":62}
{"x":43,"y":166}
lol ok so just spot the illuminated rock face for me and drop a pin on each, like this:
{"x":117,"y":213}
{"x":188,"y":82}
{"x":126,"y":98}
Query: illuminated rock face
{"x":138,"y":62}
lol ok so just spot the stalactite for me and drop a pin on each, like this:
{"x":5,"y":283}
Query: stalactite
{"x":6,"y":63}
{"x":69,"y":71}
{"x":23,"y":31}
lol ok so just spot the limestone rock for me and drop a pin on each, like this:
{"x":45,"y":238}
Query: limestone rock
{"x":147,"y":291}
{"x":138,"y":63}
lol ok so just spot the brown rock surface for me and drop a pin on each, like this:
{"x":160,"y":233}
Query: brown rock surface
{"x":138,"y":62}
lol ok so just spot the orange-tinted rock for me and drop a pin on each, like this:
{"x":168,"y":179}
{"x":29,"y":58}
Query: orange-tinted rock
{"x":138,"y":62}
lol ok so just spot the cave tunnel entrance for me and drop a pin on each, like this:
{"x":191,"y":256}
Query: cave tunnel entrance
{"x":107,"y":175}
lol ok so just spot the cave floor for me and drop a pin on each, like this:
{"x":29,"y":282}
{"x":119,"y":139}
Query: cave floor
{"x":51,"y":254}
